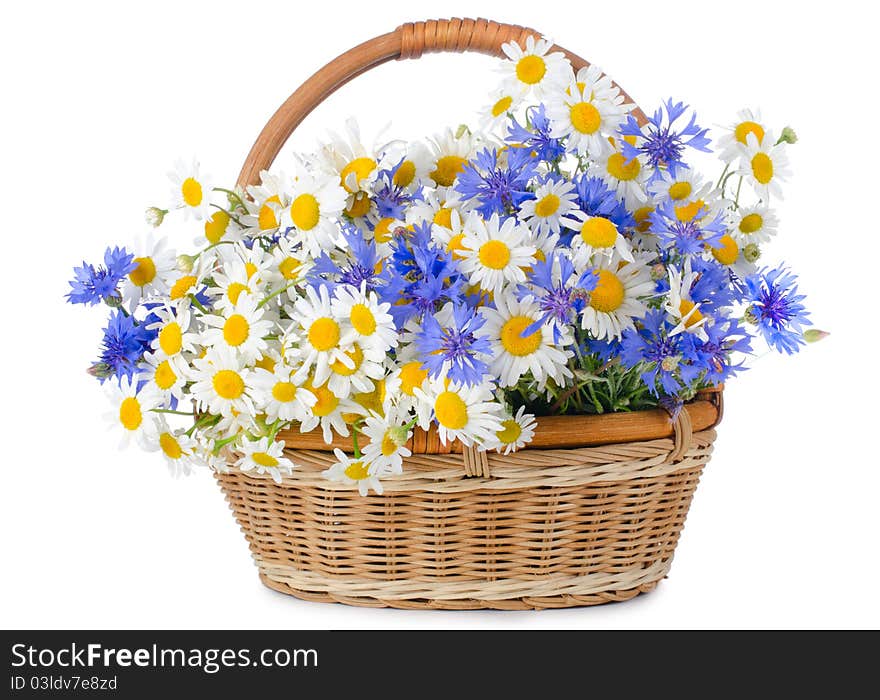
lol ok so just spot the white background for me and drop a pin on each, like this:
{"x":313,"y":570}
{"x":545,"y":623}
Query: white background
{"x":101,"y":98}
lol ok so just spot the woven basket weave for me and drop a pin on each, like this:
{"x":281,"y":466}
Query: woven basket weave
{"x":590,"y":512}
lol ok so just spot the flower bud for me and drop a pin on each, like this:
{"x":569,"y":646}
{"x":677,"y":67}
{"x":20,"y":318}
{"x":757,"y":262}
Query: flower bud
{"x":814,"y":335}
{"x":185,"y":263}
{"x":788,"y":136}
{"x":155,"y":216}
{"x":752,"y":252}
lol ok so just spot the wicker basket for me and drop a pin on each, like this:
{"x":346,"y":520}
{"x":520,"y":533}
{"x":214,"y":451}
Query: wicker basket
{"x":590,"y":512}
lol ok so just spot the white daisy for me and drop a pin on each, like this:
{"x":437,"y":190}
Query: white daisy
{"x":354,"y":471}
{"x":518,"y":347}
{"x":618,"y":297}
{"x":240,"y":328}
{"x":265,"y":458}
{"x":596,"y":234}
{"x":191,"y":191}
{"x":317,"y":200}
{"x":367,"y":321}
{"x":682,"y":309}
{"x":755,"y":224}
{"x":732,"y":144}
{"x":532,"y":69}
{"x":388,"y":437}
{"x":278,"y":397}
{"x":466,"y":413}
{"x":131,"y":412}
{"x":765,"y":165}
{"x":516,"y":432}
{"x":156,"y":266}
{"x":449,"y":155}
{"x":588,"y":112}
{"x":221,"y":383}
{"x":495,"y":254}
{"x":319,"y":335}
{"x":553,"y":201}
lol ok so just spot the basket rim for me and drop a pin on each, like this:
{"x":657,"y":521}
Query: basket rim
{"x":552,"y":432}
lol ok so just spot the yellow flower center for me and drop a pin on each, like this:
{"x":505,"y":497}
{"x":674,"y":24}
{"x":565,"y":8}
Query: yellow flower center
{"x":751,"y":223}
{"x":191,"y":190}
{"x":687,"y":307}
{"x":182,"y":286}
{"x":264,"y":459}
{"x":234,"y":290}
{"x":411,"y":376}
{"x":266,"y":363}
{"x":357,"y":471}
{"x":144,"y":273}
{"x":642,"y":215}
{"x":599,"y":232}
{"x":170,"y":446}
{"x":324,"y":334}
{"x":762,"y":168}
{"x":618,"y":167}
{"x":502,"y":106}
{"x":405,"y":174}
{"x":743,"y":130}
{"x":512,"y":339}
{"x":361,"y":167}
{"x":389,"y":447}
{"x":266,"y":217}
{"x":510,"y":432}
{"x":451,"y":411}
{"x":171,"y":338}
{"x":448,"y":168}
{"x":130,"y":413}
{"x":688,"y":212}
{"x":284,"y":392}
{"x":164,"y":376}
{"x":360,"y":205}
{"x":236,"y":330}
{"x":609,"y":292}
{"x":585,"y":117}
{"x":530,"y":69}
{"x":728,"y":252}
{"x":356,"y":355}
{"x":443,"y":217}
{"x":288,"y":268}
{"x":382,"y":232}
{"x":494,"y":254}
{"x":326,"y":403}
{"x":228,"y":384}
{"x":363,"y":320}
{"x":305,"y":212}
{"x":216,"y":226}
{"x":680,"y":190}
{"x":548,"y":205}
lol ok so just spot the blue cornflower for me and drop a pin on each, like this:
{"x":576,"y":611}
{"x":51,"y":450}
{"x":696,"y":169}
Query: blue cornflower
{"x":123,"y":347}
{"x":498,"y":190}
{"x":91,"y":285}
{"x":665,"y":357}
{"x":454,"y":349}
{"x":535,"y":137}
{"x":594,"y":198}
{"x":560,"y":293}
{"x":777,"y":309}
{"x":359,"y":265}
{"x":688,"y":235}
{"x":661,"y":143}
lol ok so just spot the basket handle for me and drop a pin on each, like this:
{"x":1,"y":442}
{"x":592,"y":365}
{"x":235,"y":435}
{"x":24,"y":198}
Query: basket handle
{"x":409,"y":40}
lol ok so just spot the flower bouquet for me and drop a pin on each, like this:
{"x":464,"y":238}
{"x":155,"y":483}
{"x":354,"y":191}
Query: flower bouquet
{"x":400,"y":302}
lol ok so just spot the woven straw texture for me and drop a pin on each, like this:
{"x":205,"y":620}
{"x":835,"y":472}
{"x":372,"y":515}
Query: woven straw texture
{"x":589,"y":513}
